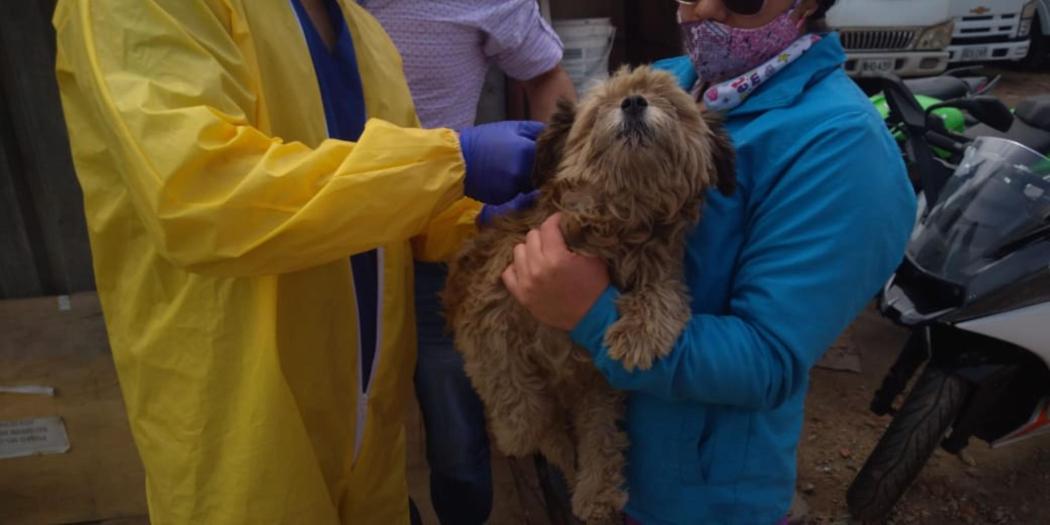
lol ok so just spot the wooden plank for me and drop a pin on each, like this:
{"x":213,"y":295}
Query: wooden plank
{"x":656,"y":34}
{"x":101,"y":476}
{"x":27,"y":72}
{"x":646,"y":31}
{"x":630,"y":31}
{"x":136,"y":520}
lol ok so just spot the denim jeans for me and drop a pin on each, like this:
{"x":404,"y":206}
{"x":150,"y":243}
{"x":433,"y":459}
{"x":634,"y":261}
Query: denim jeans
{"x":453,"y":416}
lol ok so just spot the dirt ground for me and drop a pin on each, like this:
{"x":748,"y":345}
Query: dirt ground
{"x":1017,"y":85}
{"x":1006,"y":486}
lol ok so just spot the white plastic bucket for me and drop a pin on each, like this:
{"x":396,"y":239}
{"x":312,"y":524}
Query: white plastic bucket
{"x":588,"y":44}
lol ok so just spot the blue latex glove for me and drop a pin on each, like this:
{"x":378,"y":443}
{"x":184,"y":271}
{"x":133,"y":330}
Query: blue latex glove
{"x":522,"y":202}
{"x":499,"y":159}
{"x":682,"y":69}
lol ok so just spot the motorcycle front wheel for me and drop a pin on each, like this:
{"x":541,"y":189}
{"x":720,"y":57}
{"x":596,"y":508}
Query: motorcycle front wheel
{"x":915,"y":432}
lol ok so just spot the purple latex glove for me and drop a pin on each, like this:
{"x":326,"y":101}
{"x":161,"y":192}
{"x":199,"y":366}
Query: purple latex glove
{"x":499,"y":159}
{"x":521,"y":202}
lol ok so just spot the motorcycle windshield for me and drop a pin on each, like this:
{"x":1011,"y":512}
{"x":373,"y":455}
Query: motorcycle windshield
{"x":999,"y":197}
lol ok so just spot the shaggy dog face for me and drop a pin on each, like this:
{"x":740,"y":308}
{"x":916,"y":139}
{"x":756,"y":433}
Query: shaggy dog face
{"x":629,"y":170}
{"x":630,"y":164}
{"x":636,"y":134}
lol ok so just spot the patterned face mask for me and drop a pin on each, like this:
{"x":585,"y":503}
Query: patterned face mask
{"x":726,"y":95}
{"x":720,"y":51}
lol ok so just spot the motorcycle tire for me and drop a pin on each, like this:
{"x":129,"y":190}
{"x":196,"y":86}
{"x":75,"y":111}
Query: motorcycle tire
{"x":913,"y":435}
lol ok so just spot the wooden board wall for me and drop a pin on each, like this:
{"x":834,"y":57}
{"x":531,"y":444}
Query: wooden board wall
{"x":645,"y":29}
{"x":43,"y":240}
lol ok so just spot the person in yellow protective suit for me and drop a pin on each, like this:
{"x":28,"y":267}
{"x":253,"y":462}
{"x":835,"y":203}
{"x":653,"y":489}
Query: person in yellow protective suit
{"x":252,"y":233}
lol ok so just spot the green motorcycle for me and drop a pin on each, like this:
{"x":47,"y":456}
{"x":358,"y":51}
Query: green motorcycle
{"x":953,"y":118}
{"x":935,"y":91}
{"x":935,"y":119}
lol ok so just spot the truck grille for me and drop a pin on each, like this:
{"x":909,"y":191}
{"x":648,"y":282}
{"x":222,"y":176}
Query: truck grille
{"x":1000,"y":27}
{"x":877,"y":40}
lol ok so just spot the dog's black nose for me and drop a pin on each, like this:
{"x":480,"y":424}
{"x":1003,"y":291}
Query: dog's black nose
{"x":634,"y":105}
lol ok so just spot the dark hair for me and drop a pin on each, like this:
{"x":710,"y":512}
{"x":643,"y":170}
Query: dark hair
{"x":816,"y":23}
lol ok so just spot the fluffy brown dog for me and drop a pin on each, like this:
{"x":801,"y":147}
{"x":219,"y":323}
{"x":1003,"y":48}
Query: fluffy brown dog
{"x":628,"y":169}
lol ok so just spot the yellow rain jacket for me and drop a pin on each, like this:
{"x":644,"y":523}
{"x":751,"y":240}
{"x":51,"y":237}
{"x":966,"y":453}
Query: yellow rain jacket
{"x":221,"y":220}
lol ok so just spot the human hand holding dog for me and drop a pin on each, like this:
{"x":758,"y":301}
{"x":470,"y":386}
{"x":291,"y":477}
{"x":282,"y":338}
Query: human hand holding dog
{"x":558,"y":287}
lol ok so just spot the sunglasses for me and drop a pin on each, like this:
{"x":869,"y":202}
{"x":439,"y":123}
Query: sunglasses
{"x":740,"y":7}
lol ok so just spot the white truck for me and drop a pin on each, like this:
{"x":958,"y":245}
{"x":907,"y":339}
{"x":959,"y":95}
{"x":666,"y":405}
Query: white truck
{"x":904,"y":37}
{"x":987,"y":30}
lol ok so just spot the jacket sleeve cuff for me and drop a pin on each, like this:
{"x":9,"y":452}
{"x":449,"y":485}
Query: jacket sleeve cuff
{"x":590,"y":331}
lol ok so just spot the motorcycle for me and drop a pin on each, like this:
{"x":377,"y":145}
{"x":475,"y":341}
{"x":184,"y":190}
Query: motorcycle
{"x":929,"y":91}
{"x":974,"y":289}
{"x":966,"y":84}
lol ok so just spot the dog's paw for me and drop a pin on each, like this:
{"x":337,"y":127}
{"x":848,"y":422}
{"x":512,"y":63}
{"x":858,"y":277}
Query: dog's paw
{"x":650,"y":323}
{"x":631,"y":346}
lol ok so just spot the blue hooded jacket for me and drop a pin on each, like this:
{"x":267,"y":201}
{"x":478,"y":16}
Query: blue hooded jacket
{"x":819,"y":220}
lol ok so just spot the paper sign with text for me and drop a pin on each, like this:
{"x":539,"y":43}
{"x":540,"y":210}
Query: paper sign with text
{"x":28,"y":437}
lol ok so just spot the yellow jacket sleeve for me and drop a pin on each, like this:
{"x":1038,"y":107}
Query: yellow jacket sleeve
{"x":216,"y":193}
{"x":446,"y":233}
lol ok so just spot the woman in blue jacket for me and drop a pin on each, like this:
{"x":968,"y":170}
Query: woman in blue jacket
{"x":776,"y":271}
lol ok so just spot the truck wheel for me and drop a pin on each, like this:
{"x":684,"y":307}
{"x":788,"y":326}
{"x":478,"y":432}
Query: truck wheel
{"x":1039,"y":50}
{"x":908,"y":443}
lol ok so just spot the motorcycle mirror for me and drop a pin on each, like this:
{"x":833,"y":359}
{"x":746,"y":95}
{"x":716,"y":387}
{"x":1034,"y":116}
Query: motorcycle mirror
{"x":988,"y":110}
{"x":906,"y":111}
{"x":904,"y":108}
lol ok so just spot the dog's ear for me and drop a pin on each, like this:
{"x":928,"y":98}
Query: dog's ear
{"x":550,"y":146}
{"x":723,"y":156}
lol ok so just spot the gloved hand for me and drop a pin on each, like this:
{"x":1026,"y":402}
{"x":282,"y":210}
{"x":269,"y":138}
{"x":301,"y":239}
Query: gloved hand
{"x":499,"y":159}
{"x":522,"y":202}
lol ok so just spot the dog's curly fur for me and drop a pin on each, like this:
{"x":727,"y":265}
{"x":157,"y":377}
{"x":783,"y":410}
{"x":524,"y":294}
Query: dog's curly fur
{"x":630,"y":187}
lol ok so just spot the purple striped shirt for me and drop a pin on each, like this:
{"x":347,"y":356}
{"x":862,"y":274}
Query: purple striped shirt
{"x":448,"y":45}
